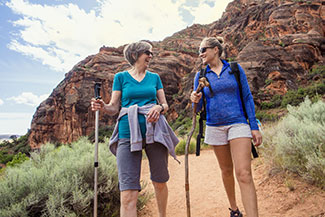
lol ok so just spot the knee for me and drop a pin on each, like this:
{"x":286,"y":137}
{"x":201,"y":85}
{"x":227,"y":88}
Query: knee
{"x":244,"y":176}
{"x":159,"y":186}
{"x":129,"y":199}
{"x":227,"y":172}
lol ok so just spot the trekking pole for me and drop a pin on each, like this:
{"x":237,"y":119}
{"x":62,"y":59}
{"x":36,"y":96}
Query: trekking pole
{"x":202,"y":83}
{"x":97,"y":96}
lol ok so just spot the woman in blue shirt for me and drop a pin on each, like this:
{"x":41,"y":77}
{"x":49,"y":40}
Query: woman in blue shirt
{"x":227,"y":129}
{"x":136,"y":91}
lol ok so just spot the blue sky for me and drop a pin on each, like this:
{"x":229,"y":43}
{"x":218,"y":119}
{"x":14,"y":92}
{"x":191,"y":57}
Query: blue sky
{"x":41,"y":40}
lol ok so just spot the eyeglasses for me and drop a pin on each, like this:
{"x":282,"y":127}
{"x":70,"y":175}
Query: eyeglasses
{"x":148,"y":52}
{"x":204,"y":49}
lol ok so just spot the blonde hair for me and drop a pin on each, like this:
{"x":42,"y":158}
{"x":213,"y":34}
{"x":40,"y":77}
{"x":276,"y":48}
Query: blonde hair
{"x":134,"y":50}
{"x":215,"y":42}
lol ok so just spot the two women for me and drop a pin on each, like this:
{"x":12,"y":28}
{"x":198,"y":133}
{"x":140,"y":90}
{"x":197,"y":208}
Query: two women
{"x":140,"y":126}
{"x":227,"y":129}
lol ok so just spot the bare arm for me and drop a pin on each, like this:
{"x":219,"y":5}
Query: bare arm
{"x":112,"y":107}
{"x":162,"y":99}
{"x":154,"y":113}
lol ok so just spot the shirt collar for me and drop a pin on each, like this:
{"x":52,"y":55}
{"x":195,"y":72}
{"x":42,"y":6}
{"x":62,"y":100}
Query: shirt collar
{"x":225,"y":65}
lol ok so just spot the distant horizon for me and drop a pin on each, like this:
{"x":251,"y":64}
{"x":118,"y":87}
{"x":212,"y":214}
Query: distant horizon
{"x":42,"y":41}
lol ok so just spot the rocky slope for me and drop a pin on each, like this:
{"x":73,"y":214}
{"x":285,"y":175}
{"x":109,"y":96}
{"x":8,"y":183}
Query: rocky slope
{"x":275,"y":40}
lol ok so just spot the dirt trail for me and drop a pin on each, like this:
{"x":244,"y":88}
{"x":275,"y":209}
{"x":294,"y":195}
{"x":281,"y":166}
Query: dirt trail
{"x":208,"y":198}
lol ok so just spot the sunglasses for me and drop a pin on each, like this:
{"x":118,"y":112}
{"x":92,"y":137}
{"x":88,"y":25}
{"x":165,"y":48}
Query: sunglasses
{"x":148,"y":52}
{"x":204,"y":49}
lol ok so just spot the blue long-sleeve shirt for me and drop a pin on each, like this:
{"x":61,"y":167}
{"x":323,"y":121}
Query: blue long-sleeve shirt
{"x":224,"y":107}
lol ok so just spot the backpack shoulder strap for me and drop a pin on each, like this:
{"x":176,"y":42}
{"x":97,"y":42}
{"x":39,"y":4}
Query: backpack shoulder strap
{"x":236,"y":72}
{"x":234,"y":68}
{"x":203,"y":73}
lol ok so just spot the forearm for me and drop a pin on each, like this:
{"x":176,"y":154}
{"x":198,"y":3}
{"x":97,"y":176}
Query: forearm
{"x":111,"y":109}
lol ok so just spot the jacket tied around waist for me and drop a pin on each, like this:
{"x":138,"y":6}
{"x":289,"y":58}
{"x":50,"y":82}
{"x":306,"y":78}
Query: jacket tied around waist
{"x":156,"y":132}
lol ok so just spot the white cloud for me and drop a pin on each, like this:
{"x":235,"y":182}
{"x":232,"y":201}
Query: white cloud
{"x":29,"y":98}
{"x":205,"y":14}
{"x":1,"y":102}
{"x":61,"y":35}
{"x":15,"y":123}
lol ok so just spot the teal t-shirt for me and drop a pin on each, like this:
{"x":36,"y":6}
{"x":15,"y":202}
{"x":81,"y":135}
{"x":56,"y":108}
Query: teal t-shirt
{"x":135,"y":92}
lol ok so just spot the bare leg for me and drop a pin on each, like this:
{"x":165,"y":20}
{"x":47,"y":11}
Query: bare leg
{"x":129,"y":203}
{"x":241,"y":154}
{"x":223,"y":155}
{"x":161,"y":191}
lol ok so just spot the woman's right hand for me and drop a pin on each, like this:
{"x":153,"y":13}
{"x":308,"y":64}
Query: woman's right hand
{"x":195,"y":97}
{"x":97,"y":104}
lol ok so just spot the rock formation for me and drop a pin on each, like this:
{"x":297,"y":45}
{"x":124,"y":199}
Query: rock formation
{"x":277,"y":40}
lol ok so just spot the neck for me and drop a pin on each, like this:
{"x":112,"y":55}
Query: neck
{"x":215,"y":63}
{"x":138,"y":70}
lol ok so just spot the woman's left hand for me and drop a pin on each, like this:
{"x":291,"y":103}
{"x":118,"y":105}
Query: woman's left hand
{"x":154,"y":113}
{"x":257,"y":137}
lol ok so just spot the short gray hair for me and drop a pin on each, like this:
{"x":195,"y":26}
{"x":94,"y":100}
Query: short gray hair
{"x":134,"y":50}
{"x":215,"y":42}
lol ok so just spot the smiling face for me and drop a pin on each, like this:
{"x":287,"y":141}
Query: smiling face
{"x":144,"y":59}
{"x":208,"y":53}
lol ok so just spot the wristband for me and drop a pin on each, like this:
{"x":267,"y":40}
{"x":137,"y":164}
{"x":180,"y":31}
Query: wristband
{"x":162,"y":108}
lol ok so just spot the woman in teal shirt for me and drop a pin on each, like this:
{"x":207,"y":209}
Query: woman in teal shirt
{"x":138,"y":88}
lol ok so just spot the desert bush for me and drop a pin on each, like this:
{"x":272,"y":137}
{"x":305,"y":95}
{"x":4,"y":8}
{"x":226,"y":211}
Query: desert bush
{"x":17,"y":159}
{"x":103,"y":133}
{"x":294,"y":97}
{"x":318,"y":70}
{"x":9,"y":149}
{"x":60,"y":182}
{"x":263,"y":116}
{"x":180,"y":148}
{"x":273,"y":103}
{"x":182,"y":125}
{"x":297,"y":142}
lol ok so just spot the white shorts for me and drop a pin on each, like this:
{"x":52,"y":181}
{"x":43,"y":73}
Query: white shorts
{"x":223,"y":134}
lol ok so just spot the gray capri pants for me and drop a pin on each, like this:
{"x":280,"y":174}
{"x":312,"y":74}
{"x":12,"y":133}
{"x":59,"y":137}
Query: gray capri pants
{"x":129,"y":164}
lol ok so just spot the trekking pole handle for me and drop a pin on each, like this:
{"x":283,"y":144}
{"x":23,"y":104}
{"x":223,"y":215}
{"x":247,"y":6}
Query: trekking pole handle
{"x":203,"y":82}
{"x":97,"y":90}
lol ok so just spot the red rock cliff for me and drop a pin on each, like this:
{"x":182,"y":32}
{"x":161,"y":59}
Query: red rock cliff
{"x":272,"y":39}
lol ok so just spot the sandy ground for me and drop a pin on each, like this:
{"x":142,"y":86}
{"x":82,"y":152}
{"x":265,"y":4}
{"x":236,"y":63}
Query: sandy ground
{"x":208,"y":198}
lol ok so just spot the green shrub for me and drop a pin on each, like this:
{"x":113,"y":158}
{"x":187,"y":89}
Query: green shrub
{"x":297,"y":143}
{"x":263,"y":116}
{"x":103,"y":132}
{"x":275,"y":102}
{"x":182,"y":125}
{"x":17,"y":159}
{"x":180,"y":148}
{"x":268,"y":82}
{"x":231,"y":59}
{"x":295,"y":97}
{"x":60,"y":182}
{"x":21,"y":144}
{"x":9,"y":149}
{"x":318,"y":70}
{"x":267,"y":105}
{"x":6,"y":157}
